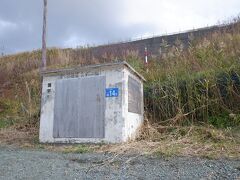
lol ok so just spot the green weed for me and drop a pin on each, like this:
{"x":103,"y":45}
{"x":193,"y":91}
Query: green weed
{"x":77,"y":149}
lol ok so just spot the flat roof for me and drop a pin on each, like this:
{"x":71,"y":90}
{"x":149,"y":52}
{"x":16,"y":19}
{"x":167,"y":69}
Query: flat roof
{"x":77,"y":69}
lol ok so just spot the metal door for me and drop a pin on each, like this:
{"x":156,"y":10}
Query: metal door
{"x":79,"y":108}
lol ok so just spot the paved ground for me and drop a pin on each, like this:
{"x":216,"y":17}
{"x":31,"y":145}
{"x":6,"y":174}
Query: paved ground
{"x":26,"y":164}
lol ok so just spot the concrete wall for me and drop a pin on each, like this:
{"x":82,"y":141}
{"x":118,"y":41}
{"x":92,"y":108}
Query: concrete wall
{"x":119,"y":124}
{"x":158,"y":45}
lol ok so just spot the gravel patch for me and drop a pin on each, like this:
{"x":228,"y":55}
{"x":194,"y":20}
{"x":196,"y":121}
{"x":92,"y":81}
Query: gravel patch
{"x":35,"y":164}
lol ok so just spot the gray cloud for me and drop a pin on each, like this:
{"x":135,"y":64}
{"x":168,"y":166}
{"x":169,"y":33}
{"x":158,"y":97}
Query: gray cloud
{"x":78,"y":22}
{"x":70,"y":22}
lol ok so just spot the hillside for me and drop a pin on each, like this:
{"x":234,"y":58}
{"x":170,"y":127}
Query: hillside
{"x":187,"y":88}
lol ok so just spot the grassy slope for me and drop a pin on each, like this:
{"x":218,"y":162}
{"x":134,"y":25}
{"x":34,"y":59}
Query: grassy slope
{"x":218,"y":53}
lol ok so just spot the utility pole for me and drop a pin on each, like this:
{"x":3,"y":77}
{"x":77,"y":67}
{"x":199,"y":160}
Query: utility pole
{"x":44,"y":34}
{"x":146,"y":58}
{"x":146,"y":55}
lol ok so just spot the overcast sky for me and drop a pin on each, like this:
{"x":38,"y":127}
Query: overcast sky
{"x":81,"y":22}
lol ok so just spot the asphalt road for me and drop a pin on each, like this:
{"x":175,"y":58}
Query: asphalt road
{"x":36,"y":164}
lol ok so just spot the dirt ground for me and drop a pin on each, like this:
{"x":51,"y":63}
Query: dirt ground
{"x":17,"y":163}
{"x":163,"y":156}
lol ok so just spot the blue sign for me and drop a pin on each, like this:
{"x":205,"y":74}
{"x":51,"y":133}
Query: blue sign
{"x":111,"y":92}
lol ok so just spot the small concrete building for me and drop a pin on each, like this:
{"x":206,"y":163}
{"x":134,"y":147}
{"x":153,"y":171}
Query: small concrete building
{"x":91,"y":104}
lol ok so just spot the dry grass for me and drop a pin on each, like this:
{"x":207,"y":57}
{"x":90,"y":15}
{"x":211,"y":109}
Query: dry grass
{"x":199,"y":141}
{"x":18,"y":136}
{"x":181,"y":141}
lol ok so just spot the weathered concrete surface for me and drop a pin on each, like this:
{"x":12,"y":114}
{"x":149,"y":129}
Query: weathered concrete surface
{"x":25,"y":164}
{"x":119,"y":124}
